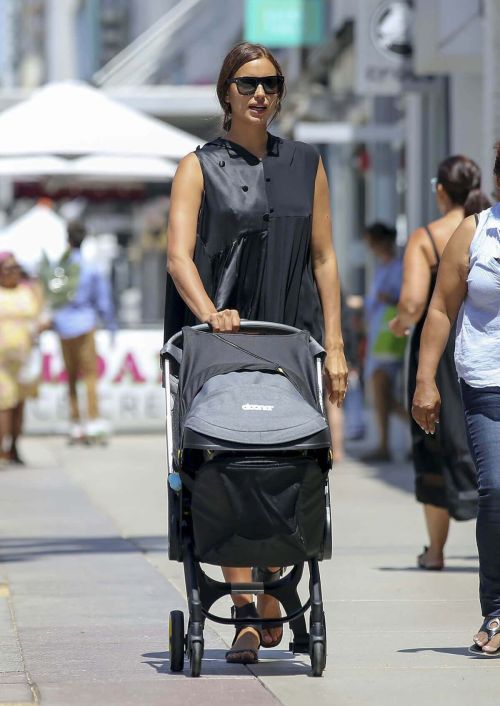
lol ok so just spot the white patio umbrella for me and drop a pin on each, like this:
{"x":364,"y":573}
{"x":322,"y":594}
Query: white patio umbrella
{"x":103,"y":168}
{"x":110,"y":167}
{"x":38,"y":231}
{"x":28,"y":167}
{"x":72,"y":119}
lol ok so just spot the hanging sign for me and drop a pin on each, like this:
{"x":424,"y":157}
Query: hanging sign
{"x":284,"y":23}
{"x":384,"y":33}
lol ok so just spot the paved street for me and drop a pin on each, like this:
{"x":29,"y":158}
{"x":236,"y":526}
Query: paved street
{"x":85,"y":592}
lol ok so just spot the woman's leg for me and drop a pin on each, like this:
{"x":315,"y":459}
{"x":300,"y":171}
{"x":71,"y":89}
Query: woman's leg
{"x":269,"y":607}
{"x":437,"y":520}
{"x":238,"y":574}
{"x":382,"y":399}
{"x":17,"y":427}
{"x":5,"y":431}
{"x":248,"y":637}
{"x":482,"y":418}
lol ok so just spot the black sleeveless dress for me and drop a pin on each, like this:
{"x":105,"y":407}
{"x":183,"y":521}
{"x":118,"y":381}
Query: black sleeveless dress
{"x":253,"y":244}
{"x":445,"y":473}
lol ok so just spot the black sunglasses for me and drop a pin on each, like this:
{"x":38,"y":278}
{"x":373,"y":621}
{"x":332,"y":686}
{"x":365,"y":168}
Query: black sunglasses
{"x":247,"y":85}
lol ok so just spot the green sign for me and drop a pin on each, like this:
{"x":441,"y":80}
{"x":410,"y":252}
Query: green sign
{"x":284,"y":23}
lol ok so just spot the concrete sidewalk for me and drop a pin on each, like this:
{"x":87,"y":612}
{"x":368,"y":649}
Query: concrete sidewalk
{"x":85,"y":592}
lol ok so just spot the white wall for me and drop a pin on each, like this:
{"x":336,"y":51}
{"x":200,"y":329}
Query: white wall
{"x":490,"y":127}
{"x":466,"y":115}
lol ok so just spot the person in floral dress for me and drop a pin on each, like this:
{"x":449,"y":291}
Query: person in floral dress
{"x":19,"y":312}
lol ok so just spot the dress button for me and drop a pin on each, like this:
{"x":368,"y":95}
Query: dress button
{"x":245,"y":188}
{"x":266,"y":216}
{"x":268,"y":178}
{"x":271,"y":210}
{"x":222,"y":163}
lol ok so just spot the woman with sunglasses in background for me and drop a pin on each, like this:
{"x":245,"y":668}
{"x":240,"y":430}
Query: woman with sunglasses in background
{"x":250,"y":236}
{"x":445,"y":477}
{"x":20,"y":307}
{"x":468,"y":291}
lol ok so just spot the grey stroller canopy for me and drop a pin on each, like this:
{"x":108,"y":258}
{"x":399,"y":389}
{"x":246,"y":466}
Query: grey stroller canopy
{"x":248,"y":388}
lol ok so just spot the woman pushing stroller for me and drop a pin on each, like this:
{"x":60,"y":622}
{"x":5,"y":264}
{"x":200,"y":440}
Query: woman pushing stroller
{"x":249,"y":236}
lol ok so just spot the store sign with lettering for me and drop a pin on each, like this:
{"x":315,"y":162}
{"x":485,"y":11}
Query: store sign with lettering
{"x":130,"y":392}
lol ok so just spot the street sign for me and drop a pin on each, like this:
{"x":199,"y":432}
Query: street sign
{"x":384,"y":30}
{"x":284,"y":23}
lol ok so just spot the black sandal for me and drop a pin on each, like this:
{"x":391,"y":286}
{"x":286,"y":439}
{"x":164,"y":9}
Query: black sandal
{"x":263,"y":574}
{"x":244,"y":655}
{"x":421,"y":563}
{"x":491,"y":627}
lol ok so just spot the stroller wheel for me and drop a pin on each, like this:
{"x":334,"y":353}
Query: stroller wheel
{"x":176,"y":640}
{"x":317,"y":646}
{"x":318,"y":658}
{"x":195,"y":656}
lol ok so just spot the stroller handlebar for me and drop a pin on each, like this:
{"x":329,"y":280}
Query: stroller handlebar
{"x":171,"y":349}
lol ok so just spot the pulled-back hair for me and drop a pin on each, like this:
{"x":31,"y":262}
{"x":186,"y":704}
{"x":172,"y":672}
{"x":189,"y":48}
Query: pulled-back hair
{"x":241,"y":54}
{"x":496,"y":168}
{"x":460,"y":178}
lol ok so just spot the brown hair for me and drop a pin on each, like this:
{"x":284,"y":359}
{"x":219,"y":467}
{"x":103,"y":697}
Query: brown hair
{"x":496,"y":168}
{"x":241,"y":54}
{"x":460,"y":177}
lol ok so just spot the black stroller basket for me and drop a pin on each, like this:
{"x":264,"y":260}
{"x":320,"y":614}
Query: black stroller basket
{"x":248,"y":451}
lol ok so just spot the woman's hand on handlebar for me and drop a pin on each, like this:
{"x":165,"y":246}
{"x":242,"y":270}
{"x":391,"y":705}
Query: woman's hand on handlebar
{"x":225,"y":321}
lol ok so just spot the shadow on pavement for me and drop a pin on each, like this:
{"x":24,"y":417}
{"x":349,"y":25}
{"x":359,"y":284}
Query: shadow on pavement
{"x":461,"y":651}
{"x":446,"y":570}
{"x":398,"y":473}
{"x":271,"y":663}
{"x":27,"y":548}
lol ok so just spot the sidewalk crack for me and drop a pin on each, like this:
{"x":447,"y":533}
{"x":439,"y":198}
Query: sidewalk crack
{"x":6,"y":594}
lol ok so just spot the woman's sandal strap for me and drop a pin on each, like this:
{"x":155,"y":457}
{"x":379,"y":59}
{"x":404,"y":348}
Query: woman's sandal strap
{"x":486,"y":627}
{"x":249,"y":610}
{"x":491,"y":631}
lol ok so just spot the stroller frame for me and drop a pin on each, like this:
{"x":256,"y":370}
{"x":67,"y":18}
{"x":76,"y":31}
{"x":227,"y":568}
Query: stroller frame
{"x":203,"y":591}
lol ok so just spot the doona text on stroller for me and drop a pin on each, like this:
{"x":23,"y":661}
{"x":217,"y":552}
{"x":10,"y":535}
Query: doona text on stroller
{"x":248,"y":453}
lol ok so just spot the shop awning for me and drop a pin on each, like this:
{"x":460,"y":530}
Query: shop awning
{"x":72,"y":119}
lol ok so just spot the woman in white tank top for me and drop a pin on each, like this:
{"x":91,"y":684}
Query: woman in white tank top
{"x":468,"y":286}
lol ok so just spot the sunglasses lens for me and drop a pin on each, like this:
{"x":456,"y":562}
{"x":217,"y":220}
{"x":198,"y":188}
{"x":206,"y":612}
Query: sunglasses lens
{"x":246,"y":86}
{"x":271,"y":84}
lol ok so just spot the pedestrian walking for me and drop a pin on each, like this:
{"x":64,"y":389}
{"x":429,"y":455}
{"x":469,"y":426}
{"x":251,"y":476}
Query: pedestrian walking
{"x":80,"y":297}
{"x":385,"y":352}
{"x":445,"y":479}
{"x":20,"y":310}
{"x":249,"y":236}
{"x":468,"y":282}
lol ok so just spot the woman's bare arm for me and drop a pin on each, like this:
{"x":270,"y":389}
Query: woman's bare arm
{"x":185,"y":201}
{"x":415,"y":285}
{"x":450,"y":291}
{"x":324,"y":265}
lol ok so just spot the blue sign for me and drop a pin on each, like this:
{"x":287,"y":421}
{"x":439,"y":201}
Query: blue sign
{"x":284,"y":23}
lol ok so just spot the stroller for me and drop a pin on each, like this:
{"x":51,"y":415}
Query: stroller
{"x":248,"y":452}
